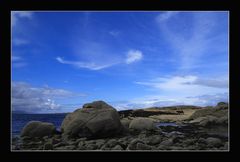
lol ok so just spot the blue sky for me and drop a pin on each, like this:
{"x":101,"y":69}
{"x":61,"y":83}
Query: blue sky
{"x":61,"y":60}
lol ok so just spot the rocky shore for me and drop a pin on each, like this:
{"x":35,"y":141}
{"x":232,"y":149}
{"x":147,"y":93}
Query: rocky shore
{"x":98,"y":126}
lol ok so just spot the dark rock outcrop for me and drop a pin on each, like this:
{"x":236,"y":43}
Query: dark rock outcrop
{"x":144,"y":113}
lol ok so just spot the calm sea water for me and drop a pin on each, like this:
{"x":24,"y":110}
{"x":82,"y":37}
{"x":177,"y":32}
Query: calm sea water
{"x":20,"y":120}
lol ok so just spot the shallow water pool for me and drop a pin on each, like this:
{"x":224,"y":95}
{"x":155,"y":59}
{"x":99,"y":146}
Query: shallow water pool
{"x":165,"y":124}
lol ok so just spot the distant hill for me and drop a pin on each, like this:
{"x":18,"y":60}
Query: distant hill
{"x":175,"y":107}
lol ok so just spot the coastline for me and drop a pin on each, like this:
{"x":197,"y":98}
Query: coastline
{"x":177,"y":132}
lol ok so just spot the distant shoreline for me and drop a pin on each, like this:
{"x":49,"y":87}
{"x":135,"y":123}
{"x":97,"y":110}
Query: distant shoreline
{"x":154,"y":107}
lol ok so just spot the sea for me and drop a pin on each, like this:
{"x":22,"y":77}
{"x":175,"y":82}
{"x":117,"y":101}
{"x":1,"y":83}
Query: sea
{"x":20,"y":120}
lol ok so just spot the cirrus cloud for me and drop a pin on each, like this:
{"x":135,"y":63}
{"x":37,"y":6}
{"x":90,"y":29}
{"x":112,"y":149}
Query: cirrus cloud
{"x":17,"y":15}
{"x":87,"y":65}
{"x":132,"y":56}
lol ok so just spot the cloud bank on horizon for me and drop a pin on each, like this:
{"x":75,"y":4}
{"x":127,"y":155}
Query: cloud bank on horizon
{"x":128,"y":59}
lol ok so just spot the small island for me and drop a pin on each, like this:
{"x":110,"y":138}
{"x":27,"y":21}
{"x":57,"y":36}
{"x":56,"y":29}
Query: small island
{"x":98,"y":126}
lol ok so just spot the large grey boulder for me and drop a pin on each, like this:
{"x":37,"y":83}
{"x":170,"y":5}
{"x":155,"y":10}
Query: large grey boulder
{"x":141,"y":124}
{"x":96,"y":119}
{"x":38,"y":129}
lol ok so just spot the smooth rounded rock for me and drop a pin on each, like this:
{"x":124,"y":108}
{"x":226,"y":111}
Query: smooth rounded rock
{"x":141,"y":124}
{"x":95,"y":120}
{"x":38,"y":129}
{"x":216,"y":142}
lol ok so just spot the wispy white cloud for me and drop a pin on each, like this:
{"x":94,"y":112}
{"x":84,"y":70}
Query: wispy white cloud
{"x":165,"y":16}
{"x":16,"y":58}
{"x":79,"y":64}
{"x":190,"y":46}
{"x":190,"y":85}
{"x":133,"y":56}
{"x":114,"y":33}
{"x":181,"y":82}
{"x":210,"y":99}
{"x":19,"y":42}
{"x":18,"y":62}
{"x":217,"y":83}
{"x":16,"y":15}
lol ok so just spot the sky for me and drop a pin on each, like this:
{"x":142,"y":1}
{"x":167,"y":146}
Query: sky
{"x":61,"y":60}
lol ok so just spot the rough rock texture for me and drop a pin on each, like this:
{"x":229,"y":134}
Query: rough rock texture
{"x":133,"y":144}
{"x":96,"y":119}
{"x":213,"y":141}
{"x":142,"y":124}
{"x":38,"y":129}
{"x":167,"y":142}
{"x":125,"y":122}
{"x":204,"y":121}
{"x":141,"y":146}
{"x":222,"y":105}
{"x":210,"y":121}
{"x":218,"y":111}
{"x":117,"y":147}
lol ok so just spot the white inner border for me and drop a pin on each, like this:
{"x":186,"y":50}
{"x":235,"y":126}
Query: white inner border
{"x":127,"y":150}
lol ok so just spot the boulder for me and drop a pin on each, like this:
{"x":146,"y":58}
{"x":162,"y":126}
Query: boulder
{"x":155,"y":139}
{"x":133,"y":144}
{"x":218,"y":111}
{"x":202,"y":140}
{"x":205,"y":121}
{"x":141,"y":124}
{"x":117,"y":147}
{"x":69,"y":147}
{"x":96,"y":119}
{"x":38,"y":129}
{"x":142,"y":146}
{"x":222,"y":105}
{"x":48,"y":146}
{"x":210,"y":120}
{"x":125,"y":122}
{"x":167,"y":142}
{"x":223,"y":120}
{"x":100,"y":142}
{"x":215,"y":142}
{"x":91,"y":147}
{"x":112,"y":142}
{"x":81,"y":145}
